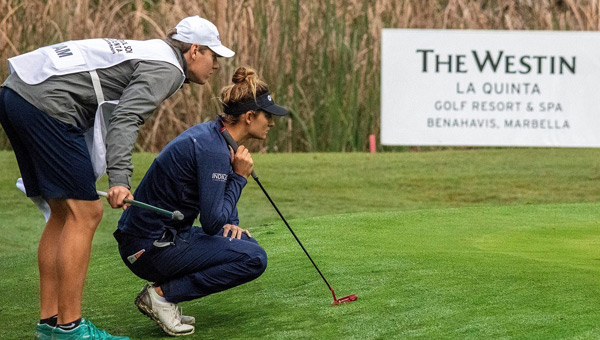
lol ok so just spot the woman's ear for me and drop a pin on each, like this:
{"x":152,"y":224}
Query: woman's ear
{"x":249,"y":117}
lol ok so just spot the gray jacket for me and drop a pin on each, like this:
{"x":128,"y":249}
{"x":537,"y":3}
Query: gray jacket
{"x":139,"y":85}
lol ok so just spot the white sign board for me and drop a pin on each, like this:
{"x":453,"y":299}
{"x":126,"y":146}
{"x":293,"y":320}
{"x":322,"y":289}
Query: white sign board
{"x":490,"y":88}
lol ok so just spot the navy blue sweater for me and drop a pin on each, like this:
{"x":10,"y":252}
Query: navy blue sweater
{"x":192,"y":174}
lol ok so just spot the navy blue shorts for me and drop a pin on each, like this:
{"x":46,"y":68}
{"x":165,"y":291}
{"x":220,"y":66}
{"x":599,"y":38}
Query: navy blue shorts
{"x":52,"y":155}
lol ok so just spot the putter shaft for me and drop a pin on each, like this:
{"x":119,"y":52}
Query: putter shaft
{"x":234,"y":146}
{"x":231,"y":142}
{"x":175,"y":215}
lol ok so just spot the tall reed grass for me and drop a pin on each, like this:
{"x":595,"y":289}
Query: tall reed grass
{"x":321,"y":58}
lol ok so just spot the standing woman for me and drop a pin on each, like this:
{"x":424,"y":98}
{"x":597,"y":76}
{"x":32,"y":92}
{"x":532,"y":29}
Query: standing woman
{"x":47,"y":104}
{"x":198,"y":174}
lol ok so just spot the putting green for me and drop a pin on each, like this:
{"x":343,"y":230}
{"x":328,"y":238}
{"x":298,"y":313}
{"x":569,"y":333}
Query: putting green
{"x":510,"y":272}
{"x":504,"y":272}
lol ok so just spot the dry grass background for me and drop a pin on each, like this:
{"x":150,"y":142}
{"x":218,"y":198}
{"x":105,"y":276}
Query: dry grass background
{"x":321,"y":58}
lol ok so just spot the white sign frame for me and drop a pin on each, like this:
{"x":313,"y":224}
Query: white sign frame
{"x":439,"y":87}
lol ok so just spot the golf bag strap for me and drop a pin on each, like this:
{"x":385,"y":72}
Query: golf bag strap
{"x":97,"y":86}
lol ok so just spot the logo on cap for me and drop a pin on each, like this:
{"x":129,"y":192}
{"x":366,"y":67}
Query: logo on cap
{"x":269,"y":98}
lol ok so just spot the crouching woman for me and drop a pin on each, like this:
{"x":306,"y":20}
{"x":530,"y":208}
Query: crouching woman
{"x":198,"y":175}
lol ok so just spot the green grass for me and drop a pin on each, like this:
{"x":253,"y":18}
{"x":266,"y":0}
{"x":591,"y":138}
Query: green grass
{"x":477,"y":244}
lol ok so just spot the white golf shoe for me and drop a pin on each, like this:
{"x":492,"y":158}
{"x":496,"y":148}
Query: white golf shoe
{"x":186,"y":319}
{"x":165,"y":314}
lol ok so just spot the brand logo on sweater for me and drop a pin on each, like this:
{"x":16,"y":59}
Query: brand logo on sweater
{"x":219,"y":177}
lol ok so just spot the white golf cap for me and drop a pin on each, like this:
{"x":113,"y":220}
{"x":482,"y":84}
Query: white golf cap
{"x":196,"y":30}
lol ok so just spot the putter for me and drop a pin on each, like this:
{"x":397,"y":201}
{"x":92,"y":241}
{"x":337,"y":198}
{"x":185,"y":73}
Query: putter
{"x":336,"y":301}
{"x":175,"y":215}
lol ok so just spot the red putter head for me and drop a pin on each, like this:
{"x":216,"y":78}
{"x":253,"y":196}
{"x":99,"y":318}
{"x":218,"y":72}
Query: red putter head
{"x":345,"y":299}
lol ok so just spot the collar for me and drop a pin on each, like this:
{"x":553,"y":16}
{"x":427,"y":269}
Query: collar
{"x":219,"y":123}
{"x":181,"y":60}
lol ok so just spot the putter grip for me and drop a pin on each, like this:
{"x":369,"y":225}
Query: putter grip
{"x":233,"y":145}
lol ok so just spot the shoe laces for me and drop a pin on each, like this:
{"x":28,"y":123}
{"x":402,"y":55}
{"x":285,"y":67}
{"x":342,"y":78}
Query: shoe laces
{"x":95,"y":332}
{"x":179,"y":312}
{"x":173,"y":314}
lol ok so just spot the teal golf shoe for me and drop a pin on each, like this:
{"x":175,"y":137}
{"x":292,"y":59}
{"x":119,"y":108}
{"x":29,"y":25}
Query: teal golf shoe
{"x":43,"y":332}
{"x":85,"y":331}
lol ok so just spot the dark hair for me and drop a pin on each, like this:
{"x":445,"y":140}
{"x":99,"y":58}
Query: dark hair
{"x":246,"y":85}
{"x":180,"y":45}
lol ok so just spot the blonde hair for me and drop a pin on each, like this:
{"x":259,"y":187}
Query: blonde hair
{"x":246,"y":86}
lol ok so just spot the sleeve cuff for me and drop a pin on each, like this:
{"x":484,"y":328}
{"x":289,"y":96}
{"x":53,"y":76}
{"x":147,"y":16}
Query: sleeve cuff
{"x":239,"y":178}
{"x":122,"y":180}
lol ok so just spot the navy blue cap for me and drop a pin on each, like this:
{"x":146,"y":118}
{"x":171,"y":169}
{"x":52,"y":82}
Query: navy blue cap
{"x":263,"y":102}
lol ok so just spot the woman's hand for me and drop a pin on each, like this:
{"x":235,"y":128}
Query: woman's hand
{"x":236,"y":232}
{"x":242,"y":162}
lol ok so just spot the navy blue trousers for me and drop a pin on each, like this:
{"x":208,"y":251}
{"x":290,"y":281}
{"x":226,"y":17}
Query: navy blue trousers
{"x":193,"y":264}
